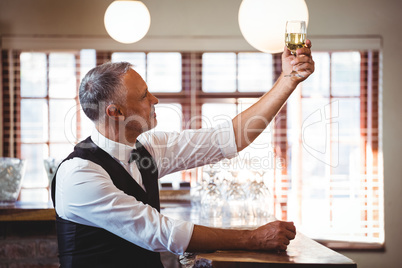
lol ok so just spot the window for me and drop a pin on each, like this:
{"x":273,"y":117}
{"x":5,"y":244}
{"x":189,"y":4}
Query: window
{"x":333,"y":151}
{"x":321,"y":154}
{"x":231,"y":72}
{"x":51,"y":122}
{"x":245,"y":77}
{"x":162,"y":72}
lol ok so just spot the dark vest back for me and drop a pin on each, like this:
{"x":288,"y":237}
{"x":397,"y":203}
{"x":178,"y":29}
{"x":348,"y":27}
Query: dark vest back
{"x":85,"y":246}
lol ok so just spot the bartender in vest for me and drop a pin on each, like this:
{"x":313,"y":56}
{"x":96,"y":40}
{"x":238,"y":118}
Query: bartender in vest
{"x":106,"y":191}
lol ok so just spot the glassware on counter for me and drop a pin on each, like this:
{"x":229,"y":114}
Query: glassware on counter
{"x":236,"y":203}
{"x":259,"y":199}
{"x":12,"y":172}
{"x":51,"y":165}
{"x":232,"y":197}
{"x":211,"y":205}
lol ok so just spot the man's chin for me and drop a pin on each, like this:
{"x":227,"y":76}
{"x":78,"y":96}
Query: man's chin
{"x":152,"y":125}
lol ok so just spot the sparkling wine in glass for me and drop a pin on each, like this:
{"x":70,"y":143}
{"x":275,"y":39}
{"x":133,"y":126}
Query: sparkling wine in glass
{"x":295,"y":38}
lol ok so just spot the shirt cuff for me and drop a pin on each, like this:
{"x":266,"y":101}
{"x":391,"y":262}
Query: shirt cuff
{"x":180,"y":236}
{"x":226,"y":139}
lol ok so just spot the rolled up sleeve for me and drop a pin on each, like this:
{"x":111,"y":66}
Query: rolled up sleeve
{"x":226,"y":139}
{"x":180,"y":236}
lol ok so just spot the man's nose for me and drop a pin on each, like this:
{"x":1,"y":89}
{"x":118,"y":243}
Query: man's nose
{"x":155,"y":100}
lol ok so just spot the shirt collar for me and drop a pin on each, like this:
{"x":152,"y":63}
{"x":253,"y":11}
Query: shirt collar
{"x":118,"y":150}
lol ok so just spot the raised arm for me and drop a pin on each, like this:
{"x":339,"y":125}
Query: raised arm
{"x":250,"y":123}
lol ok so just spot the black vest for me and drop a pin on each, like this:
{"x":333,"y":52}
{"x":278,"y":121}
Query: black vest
{"x":85,"y":246}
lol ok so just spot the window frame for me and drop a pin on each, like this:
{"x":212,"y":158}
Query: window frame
{"x":47,"y":98}
{"x":191,"y":98}
{"x":369,"y":119}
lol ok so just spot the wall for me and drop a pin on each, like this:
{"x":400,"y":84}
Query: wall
{"x":192,"y":19}
{"x":28,"y":245}
{"x":33,"y":244}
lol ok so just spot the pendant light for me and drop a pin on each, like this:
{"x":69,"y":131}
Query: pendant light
{"x":263,"y":22}
{"x":127,"y":21}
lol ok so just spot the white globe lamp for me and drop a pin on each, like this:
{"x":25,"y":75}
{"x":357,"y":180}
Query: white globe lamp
{"x":127,"y":21}
{"x":263,"y":22}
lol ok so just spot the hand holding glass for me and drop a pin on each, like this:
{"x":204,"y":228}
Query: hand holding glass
{"x":295,"y":38}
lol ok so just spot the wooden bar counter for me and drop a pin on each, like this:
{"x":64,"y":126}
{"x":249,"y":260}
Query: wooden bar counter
{"x":27,"y":211}
{"x":302,"y":251}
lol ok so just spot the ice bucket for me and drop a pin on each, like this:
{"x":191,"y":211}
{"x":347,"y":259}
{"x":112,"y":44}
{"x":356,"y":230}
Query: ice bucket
{"x":11,"y":175}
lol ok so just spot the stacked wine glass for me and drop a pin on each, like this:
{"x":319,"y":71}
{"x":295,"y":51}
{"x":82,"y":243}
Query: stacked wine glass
{"x":229,"y":196}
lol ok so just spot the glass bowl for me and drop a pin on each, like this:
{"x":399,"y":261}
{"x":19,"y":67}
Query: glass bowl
{"x":11,"y":176}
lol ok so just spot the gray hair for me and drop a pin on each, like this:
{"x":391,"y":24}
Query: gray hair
{"x":102,"y":85}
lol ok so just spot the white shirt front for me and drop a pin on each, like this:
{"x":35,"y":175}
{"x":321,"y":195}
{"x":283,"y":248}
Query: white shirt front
{"x":85,"y":193}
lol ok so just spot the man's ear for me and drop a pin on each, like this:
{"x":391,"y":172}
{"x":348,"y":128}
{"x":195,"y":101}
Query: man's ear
{"x":114,"y":112}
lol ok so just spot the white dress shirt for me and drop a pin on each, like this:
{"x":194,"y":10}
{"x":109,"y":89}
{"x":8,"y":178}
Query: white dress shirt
{"x":85,"y":193}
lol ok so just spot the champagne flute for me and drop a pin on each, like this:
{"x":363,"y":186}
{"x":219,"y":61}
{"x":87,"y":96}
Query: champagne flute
{"x":295,"y":37}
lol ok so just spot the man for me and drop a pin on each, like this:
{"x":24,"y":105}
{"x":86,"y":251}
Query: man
{"x":106,"y":194}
